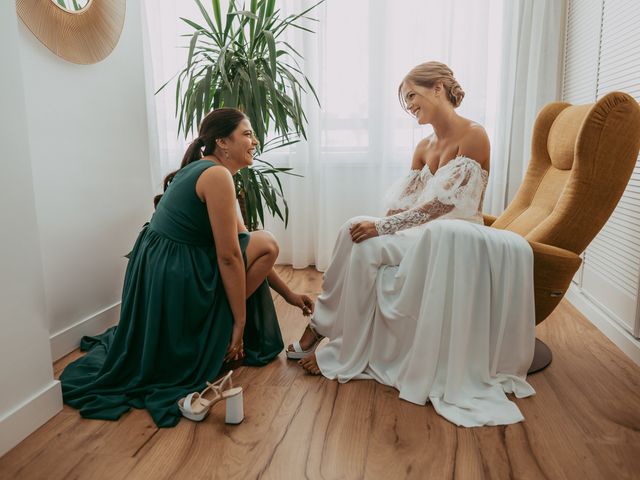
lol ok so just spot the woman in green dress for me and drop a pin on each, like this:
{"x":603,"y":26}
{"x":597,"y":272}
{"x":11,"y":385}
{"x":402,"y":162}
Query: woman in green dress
{"x":196,"y":290}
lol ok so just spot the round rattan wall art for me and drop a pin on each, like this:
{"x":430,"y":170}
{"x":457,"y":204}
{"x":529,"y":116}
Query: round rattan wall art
{"x":84,"y":32}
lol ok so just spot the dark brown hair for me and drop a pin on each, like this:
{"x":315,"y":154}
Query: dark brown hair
{"x":219,"y":123}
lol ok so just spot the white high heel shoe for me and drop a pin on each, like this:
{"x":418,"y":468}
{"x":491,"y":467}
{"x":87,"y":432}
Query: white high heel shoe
{"x":298,"y":352}
{"x":196,"y":406}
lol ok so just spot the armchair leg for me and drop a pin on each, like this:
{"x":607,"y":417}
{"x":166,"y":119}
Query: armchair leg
{"x":541,"y":357}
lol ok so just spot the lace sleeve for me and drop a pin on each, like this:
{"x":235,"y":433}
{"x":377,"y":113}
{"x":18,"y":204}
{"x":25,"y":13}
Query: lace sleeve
{"x":413,"y":217}
{"x":404,"y":193}
{"x":457,"y":187}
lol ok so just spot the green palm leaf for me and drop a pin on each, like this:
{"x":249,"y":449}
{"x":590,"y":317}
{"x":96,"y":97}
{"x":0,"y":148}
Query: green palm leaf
{"x":238,"y":60}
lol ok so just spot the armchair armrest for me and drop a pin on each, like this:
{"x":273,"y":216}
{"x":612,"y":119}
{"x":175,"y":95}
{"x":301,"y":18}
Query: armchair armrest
{"x":488,"y":219}
{"x":553,"y":269}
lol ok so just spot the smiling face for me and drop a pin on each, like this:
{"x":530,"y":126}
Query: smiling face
{"x":422,"y":102}
{"x":241,"y":144}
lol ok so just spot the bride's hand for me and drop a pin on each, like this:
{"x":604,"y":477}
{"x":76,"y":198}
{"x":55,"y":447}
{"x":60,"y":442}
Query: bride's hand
{"x":235,"y":351}
{"x":303,"y":302}
{"x":361,"y":231}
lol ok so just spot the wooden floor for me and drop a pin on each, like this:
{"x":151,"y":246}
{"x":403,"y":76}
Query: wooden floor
{"x":583,"y":423}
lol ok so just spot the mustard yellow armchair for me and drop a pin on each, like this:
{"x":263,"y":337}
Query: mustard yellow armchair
{"x":582,"y":157}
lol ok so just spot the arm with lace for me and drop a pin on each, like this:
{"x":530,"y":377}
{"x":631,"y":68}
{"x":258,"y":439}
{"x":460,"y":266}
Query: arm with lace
{"x":404,"y":193}
{"x":460,"y":187}
{"x":413,"y":217}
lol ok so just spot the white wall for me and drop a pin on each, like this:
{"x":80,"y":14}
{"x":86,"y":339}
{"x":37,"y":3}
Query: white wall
{"x":76,"y":189}
{"x":88,"y":137}
{"x":28,"y":393}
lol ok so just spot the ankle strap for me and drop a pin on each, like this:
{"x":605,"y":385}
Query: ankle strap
{"x":221,"y":383}
{"x":313,"y":330}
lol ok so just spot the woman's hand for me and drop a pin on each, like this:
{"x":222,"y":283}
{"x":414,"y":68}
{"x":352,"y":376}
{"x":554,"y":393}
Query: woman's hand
{"x":303,"y":302}
{"x":236,"y":346}
{"x":361,"y":231}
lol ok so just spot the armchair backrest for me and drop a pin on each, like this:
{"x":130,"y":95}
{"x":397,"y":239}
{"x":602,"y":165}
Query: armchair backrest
{"x":582,"y":157}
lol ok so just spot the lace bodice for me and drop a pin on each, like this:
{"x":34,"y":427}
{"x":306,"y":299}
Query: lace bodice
{"x":456,"y":190}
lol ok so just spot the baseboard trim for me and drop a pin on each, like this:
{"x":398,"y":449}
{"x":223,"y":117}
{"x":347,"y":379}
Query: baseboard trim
{"x":30,"y":415}
{"x":603,"y":322}
{"x":67,"y":340}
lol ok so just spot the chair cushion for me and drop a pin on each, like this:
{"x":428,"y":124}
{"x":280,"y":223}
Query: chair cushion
{"x":548,"y":187}
{"x":563,"y":134}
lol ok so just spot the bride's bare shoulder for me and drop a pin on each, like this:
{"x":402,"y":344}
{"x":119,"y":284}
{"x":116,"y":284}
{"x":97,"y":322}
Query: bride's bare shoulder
{"x":475,"y":144}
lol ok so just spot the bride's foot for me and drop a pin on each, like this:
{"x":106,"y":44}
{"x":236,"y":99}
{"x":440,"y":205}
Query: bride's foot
{"x":310,"y":364}
{"x":307,"y":339}
{"x":306,"y":345}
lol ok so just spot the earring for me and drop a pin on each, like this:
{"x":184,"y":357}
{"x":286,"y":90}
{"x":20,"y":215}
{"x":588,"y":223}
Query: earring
{"x":226,"y":154}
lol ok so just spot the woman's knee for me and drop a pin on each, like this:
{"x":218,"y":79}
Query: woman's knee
{"x":272,"y":245}
{"x":266,"y":243}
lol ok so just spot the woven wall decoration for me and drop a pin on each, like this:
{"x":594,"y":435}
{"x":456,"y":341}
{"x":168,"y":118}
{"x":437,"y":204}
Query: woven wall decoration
{"x":85,"y":36}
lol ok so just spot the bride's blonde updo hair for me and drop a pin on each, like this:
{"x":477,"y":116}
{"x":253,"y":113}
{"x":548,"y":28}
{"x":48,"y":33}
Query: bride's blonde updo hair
{"x":428,"y":74}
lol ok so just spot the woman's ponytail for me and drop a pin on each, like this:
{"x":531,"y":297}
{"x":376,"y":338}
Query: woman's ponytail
{"x":193,"y":153}
{"x":219,"y":123}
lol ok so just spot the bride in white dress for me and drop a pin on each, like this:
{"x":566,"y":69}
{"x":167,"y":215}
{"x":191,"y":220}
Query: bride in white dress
{"x":384,"y":326}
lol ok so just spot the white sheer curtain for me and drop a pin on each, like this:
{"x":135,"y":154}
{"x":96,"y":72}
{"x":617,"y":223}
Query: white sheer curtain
{"x":165,"y":56}
{"x":360,"y":140}
{"x":529,"y":78}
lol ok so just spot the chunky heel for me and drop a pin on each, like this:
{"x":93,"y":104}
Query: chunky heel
{"x":234,"y":408}
{"x":196,"y":406}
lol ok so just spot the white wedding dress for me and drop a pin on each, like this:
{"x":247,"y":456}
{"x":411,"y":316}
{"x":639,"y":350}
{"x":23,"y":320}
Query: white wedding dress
{"x":438,"y":305}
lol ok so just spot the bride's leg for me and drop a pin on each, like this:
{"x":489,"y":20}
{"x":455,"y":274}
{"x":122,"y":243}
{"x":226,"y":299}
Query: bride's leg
{"x":306,"y":340}
{"x":352,"y":310}
{"x":333,"y":280}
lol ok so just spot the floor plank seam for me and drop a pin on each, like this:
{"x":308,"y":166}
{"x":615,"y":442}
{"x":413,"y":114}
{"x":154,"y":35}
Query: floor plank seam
{"x":284,"y":434}
{"x":529,"y":447}
{"x":326,"y":433}
{"x":145,"y":442}
{"x":455,"y":456}
{"x":371,"y":429}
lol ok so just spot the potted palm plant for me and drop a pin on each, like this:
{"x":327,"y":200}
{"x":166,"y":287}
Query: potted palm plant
{"x":241,"y":60}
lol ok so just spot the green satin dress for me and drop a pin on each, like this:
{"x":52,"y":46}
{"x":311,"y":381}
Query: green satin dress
{"x":175,"y":320}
